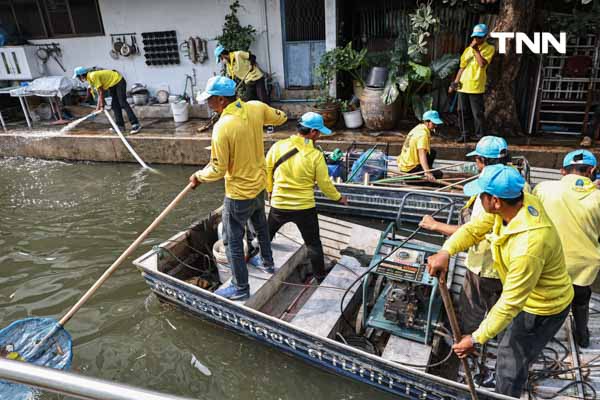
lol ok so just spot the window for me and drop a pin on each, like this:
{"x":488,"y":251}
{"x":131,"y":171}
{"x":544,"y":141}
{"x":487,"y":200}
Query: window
{"x":40,"y":19}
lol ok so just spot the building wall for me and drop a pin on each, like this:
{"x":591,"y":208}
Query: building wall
{"x":203,"y":18}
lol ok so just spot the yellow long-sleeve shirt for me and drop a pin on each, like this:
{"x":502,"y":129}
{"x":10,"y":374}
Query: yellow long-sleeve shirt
{"x":294,"y":180}
{"x":239,"y":66}
{"x":479,"y":257}
{"x":529,"y":259}
{"x":573,"y":204}
{"x":103,"y":79}
{"x":237,"y":150}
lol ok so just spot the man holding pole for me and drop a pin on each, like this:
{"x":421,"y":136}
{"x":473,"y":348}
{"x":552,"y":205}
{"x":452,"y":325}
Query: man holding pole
{"x":237,"y":153}
{"x":527,"y":253}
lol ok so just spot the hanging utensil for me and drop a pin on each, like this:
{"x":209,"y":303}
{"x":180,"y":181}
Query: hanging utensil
{"x":134,"y":47}
{"x":117,"y":45}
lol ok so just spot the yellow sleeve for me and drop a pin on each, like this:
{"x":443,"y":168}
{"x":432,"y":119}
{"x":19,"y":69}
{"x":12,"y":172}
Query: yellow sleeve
{"x":273,"y":116}
{"x":522,"y":277}
{"x":463,"y":58}
{"x":469,"y":234}
{"x":270,"y":163}
{"x":219,"y":158}
{"x":322,"y":178}
{"x":423,"y":142}
{"x":488,"y":53}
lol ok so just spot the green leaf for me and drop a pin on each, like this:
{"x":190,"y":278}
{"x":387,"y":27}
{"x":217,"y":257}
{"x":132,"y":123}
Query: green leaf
{"x":420,"y":104}
{"x":422,"y":71}
{"x":445,"y":66}
{"x":390,"y":93}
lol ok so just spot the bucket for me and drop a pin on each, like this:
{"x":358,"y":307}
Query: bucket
{"x":353,"y":119}
{"x":377,"y":77}
{"x":180,"y":111}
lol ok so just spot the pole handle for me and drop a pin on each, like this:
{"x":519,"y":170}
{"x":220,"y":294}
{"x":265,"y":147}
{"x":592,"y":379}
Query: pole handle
{"x":123,"y":256}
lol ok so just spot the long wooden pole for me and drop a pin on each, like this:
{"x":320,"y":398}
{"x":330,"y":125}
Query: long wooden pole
{"x":123,"y":256}
{"x":456,"y":331}
{"x":459,"y":183}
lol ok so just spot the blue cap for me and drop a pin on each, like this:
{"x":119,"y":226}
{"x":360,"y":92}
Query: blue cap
{"x":498,"y":180}
{"x":480,"y":30}
{"x":80,"y":71}
{"x":218,"y":51}
{"x":432,"y":116}
{"x":490,"y":147}
{"x":580,"y":157}
{"x":313,"y":120}
{"x":218,"y":86}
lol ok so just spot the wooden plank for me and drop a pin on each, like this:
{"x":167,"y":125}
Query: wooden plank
{"x":321,"y":313}
{"x":403,"y":350}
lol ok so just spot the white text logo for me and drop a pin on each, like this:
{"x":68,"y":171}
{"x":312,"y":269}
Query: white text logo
{"x":539,"y":44}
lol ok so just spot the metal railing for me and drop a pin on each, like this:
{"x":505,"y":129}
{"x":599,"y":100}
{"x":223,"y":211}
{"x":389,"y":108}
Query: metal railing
{"x":78,"y":386}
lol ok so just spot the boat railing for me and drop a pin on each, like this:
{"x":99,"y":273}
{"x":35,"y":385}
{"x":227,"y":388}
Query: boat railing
{"x":70,"y":384}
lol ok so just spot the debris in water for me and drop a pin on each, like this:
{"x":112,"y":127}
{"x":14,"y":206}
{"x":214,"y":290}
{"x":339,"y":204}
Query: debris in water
{"x":12,"y":295}
{"x":200,"y":367}
{"x":171,"y":325}
{"x":140,"y":357}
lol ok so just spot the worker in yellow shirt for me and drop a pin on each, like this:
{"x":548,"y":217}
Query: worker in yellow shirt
{"x":104,"y":80}
{"x":238,"y":154}
{"x":417,"y":154}
{"x":527,"y":253}
{"x":293,"y":167}
{"x":471,"y":79}
{"x":241,"y":65}
{"x":482,"y":286}
{"x":573,"y":204}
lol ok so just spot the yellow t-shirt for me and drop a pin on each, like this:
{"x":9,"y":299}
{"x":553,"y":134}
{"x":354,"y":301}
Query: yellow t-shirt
{"x":239,"y":65}
{"x":237,"y":150}
{"x":294,"y":180}
{"x":103,"y":79}
{"x":573,"y":205}
{"x":474,"y":77}
{"x":417,"y":138}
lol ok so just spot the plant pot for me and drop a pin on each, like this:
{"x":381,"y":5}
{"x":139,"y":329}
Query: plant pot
{"x":377,"y":77}
{"x":353,"y":119}
{"x":357,"y":88}
{"x":330,"y":113}
{"x":377,"y":115}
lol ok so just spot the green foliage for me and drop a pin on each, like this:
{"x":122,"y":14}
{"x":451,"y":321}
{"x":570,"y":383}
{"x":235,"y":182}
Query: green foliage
{"x":340,"y":59}
{"x":347,"y":106}
{"x":235,"y":36}
{"x":325,"y":101}
{"x":422,"y":23}
{"x":421,"y":103}
{"x":445,"y":66}
{"x":579,"y":22}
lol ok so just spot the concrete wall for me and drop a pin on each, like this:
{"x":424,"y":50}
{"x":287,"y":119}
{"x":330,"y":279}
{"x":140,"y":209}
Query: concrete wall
{"x":203,"y":18}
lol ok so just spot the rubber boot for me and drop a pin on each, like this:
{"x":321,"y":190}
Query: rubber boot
{"x":581,"y":315}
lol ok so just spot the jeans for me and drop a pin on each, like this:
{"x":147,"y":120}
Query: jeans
{"x":119,"y":102}
{"x":257,"y":90}
{"x":307,"y":222}
{"x":521,"y":344}
{"x":472,"y":108}
{"x":236,"y":214}
{"x":476,"y":299}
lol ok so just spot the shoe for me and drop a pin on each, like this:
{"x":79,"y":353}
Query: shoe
{"x":233,"y":293}
{"x":135,"y":129}
{"x":586,"y":142}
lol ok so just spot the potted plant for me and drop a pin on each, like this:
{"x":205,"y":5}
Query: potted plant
{"x":329,"y":108}
{"x":351,"y":113}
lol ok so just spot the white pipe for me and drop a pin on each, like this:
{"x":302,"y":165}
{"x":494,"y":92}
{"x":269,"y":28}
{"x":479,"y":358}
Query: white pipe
{"x":116,"y":128}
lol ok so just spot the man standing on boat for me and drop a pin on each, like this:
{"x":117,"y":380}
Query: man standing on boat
{"x":237,"y":153}
{"x":417,"y":154}
{"x":471,"y":79}
{"x":482,"y":286}
{"x":573,"y":204}
{"x":527,"y":252}
{"x":293,"y":167}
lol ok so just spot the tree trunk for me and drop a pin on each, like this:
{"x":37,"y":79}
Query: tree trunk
{"x":500,"y":103}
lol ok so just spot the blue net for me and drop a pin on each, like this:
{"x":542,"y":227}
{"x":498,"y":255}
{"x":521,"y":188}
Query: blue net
{"x":374,"y":164}
{"x":39,"y":341}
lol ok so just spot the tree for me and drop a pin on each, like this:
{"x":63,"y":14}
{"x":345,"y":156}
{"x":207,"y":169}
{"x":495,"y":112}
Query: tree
{"x":235,"y":36}
{"x":500,"y":104}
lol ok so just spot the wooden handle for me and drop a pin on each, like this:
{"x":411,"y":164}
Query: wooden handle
{"x":123,"y":256}
{"x":456,"y":331}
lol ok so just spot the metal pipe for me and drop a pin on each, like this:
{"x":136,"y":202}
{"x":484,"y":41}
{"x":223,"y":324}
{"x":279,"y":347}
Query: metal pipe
{"x":75,"y":385}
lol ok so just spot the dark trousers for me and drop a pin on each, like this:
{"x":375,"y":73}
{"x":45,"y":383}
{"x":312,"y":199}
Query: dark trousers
{"x":477,"y":298}
{"x":472,"y":109}
{"x":581,"y":311}
{"x":119,"y":102}
{"x":257,"y":90}
{"x":307,"y":222}
{"x":521,"y":344}
{"x":430,"y":160}
{"x":236,"y":214}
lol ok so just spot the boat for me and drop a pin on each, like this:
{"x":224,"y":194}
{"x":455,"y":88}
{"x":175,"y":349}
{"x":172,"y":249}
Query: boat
{"x":387,"y":330}
{"x":386,"y":200}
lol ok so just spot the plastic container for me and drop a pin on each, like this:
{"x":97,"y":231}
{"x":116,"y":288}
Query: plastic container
{"x":220,"y":255}
{"x":353,"y":119}
{"x":180,"y":111}
{"x":377,"y":77}
{"x":140,"y":99}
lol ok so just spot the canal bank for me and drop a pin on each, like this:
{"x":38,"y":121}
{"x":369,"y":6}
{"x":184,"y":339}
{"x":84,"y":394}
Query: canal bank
{"x":164,"y":142}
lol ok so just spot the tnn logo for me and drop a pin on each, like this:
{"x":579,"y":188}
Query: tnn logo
{"x":539,"y":44}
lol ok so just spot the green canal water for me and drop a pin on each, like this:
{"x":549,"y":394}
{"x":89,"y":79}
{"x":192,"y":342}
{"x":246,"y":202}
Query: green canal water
{"x":63,"y":224}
